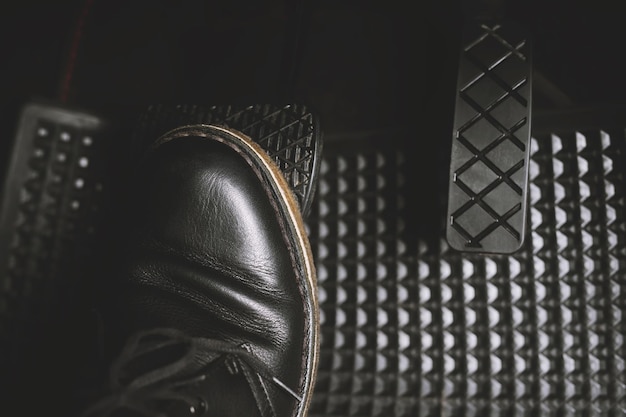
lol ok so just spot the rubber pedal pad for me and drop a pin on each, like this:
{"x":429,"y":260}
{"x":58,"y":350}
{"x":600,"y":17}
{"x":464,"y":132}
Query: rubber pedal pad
{"x":487,"y":195}
{"x":50,"y":211}
{"x":291,"y":134}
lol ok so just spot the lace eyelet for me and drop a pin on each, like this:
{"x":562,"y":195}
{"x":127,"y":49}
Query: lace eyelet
{"x":198,"y":409}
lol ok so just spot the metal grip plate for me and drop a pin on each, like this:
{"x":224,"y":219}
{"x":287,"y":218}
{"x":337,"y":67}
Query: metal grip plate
{"x":490,"y":144}
{"x":289,"y":133}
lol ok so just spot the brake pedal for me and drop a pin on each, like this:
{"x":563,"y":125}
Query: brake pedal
{"x":289,"y":133}
{"x":490,"y":146}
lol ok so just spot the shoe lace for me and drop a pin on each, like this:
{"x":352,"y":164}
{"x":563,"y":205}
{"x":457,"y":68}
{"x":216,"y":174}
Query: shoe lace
{"x":182,"y":360}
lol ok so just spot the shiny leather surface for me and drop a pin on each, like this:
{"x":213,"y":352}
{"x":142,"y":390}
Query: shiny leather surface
{"x":207,"y":253}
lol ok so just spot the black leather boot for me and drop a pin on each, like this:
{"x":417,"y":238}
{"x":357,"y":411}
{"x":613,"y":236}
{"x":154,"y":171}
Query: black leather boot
{"x":216,"y":300}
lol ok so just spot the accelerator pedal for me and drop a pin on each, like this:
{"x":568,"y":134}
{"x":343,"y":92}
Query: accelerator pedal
{"x":490,"y":145}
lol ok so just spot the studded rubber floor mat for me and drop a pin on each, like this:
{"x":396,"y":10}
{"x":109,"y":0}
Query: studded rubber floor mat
{"x":411,"y":327}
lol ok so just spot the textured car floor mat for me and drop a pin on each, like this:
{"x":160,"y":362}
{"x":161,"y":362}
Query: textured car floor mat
{"x":411,"y":327}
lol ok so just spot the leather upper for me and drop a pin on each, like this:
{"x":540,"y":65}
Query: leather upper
{"x":208,"y":252}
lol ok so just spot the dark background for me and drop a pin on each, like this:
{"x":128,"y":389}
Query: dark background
{"x":363,"y":65}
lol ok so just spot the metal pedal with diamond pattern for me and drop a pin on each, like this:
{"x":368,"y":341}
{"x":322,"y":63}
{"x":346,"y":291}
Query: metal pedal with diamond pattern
{"x":289,"y":133}
{"x":489,"y":158}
